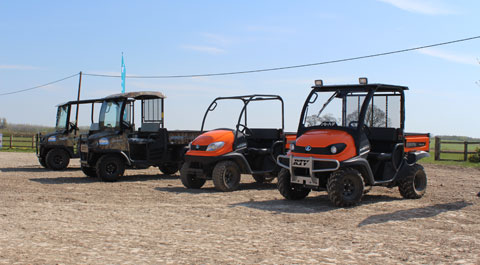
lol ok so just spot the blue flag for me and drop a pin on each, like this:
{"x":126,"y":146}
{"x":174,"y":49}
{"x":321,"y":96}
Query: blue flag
{"x":123,"y":75}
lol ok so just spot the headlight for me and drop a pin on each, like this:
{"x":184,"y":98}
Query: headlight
{"x":333,"y":149}
{"x":103,"y":141}
{"x":336,"y":148}
{"x":52,"y":138}
{"x":214,"y":146}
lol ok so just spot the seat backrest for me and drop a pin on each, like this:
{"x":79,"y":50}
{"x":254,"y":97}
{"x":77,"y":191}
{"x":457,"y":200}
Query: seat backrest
{"x":150,"y":127}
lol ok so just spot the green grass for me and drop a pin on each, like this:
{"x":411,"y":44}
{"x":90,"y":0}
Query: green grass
{"x":19,"y":144}
{"x":458,"y":157}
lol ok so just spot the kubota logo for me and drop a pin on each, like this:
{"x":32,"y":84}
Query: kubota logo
{"x":308,"y":148}
{"x":198,"y":146}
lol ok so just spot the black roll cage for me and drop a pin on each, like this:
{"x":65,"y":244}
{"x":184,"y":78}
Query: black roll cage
{"x":246,"y":99}
{"x":343,"y":91}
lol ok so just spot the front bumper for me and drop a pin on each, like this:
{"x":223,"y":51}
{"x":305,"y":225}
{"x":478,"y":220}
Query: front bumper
{"x":303,"y":169}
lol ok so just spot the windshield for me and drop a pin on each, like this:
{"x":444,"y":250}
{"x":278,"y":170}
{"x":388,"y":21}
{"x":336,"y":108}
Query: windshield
{"x":343,"y":109}
{"x":110,"y":114}
{"x":62,"y":115}
{"x":324,"y":109}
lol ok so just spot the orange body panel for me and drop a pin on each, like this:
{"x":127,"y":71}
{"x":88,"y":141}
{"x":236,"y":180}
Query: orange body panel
{"x":324,"y":138}
{"x":207,"y":138}
{"x":417,"y":142}
{"x":290,"y":139}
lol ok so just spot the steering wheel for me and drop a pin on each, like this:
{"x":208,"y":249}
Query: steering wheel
{"x":73,"y":126}
{"x":353,"y":124}
{"x":245,"y":130}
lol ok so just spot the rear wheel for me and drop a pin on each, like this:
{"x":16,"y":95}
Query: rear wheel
{"x":190,"y":181}
{"x":289,"y":191}
{"x":89,"y":172}
{"x":57,"y":159}
{"x":110,"y":167}
{"x":226,"y":176}
{"x":345,"y":187}
{"x":414,"y":185}
{"x":168,"y":168}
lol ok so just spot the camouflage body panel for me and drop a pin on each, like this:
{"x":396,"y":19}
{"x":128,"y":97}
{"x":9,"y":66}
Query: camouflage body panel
{"x":182,"y":136}
{"x":115,"y":141}
{"x":63,"y":140}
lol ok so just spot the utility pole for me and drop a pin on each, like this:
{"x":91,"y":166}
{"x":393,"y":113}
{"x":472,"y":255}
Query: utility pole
{"x":78,"y":98}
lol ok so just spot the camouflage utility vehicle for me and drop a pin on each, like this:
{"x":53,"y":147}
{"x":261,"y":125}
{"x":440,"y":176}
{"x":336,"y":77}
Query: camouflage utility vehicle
{"x":350,"y":137}
{"x":54,"y":150}
{"x":114,"y":144}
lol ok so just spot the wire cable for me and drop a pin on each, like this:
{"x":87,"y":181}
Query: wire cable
{"x":32,"y":88}
{"x":296,"y":66}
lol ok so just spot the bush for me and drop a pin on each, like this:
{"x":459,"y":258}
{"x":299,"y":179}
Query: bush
{"x":475,"y":158}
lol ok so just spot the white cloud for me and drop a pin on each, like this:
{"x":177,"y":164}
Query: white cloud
{"x":17,"y":67}
{"x":206,"y":49}
{"x":449,"y":56}
{"x":427,"y":7}
{"x":216,"y":38}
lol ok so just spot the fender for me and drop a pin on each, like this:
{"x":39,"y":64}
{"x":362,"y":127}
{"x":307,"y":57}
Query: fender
{"x":240,"y":160}
{"x":413,"y":157}
{"x":121,"y":153}
{"x":363,"y":166}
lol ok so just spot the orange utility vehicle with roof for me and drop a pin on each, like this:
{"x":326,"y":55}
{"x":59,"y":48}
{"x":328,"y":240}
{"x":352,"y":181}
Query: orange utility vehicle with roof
{"x":224,"y":154}
{"x":349,"y":137}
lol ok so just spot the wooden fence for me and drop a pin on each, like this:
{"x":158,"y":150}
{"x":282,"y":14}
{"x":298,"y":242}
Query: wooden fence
{"x":19,"y":141}
{"x":459,"y":148}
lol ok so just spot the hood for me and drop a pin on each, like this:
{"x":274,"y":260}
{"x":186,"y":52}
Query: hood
{"x":319,"y":143}
{"x":199,"y":146}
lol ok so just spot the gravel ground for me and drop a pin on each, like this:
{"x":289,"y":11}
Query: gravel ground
{"x":49,"y":217}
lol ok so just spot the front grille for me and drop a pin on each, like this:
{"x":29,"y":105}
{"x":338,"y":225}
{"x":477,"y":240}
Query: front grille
{"x":300,"y":171}
{"x":324,"y":165}
{"x":199,"y":147}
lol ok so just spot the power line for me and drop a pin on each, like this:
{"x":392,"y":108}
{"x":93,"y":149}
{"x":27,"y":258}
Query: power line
{"x":296,"y":66}
{"x":53,"y":82}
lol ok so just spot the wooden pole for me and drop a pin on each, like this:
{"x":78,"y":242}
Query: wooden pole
{"x":437,"y":148}
{"x":11,"y":140}
{"x":78,"y":98}
{"x":465,"y":150}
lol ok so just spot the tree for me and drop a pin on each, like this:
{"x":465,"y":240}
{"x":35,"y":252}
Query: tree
{"x":3,"y":123}
{"x":375,"y":118}
{"x":314,"y":120}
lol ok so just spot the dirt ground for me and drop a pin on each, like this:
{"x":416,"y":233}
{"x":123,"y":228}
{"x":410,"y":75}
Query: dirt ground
{"x":65,"y":217}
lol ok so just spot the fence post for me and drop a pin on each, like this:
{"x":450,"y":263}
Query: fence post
{"x":33,"y":141}
{"x":465,"y":150}
{"x":11,"y":140}
{"x":437,"y":148}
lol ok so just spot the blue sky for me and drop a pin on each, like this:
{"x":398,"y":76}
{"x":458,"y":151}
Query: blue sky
{"x":48,"y":40}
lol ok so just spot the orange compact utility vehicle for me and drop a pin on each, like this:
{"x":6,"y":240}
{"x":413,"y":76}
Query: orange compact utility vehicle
{"x":224,"y":154}
{"x":349,"y":137}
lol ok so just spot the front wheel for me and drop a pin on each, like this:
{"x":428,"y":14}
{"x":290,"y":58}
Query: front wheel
{"x":190,"y":181}
{"x":57,"y":159}
{"x":42,"y":162}
{"x":110,"y":167}
{"x":289,"y":191}
{"x":345,"y":187}
{"x":414,"y":185}
{"x":89,"y":172}
{"x":226,"y":176}
{"x":168,"y":168}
